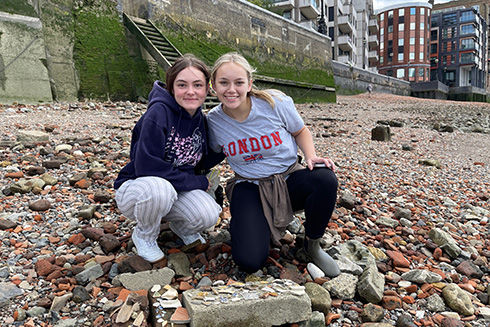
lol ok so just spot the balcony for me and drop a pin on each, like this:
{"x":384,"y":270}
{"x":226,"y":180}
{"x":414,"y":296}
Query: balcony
{"x":344,"y":43}
{"x":284,"y":4}
{"x":373,"y":40}
{"x":345,"y":60}
{"x":373,"y":56}
{"x":344,"y":24}
{"x":309,"y":24}
{"x":309,"y":8}
{"x":373,"y":26}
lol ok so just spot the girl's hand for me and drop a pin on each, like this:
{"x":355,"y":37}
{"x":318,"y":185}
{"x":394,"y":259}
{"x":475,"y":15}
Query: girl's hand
{"x":320,"y":162}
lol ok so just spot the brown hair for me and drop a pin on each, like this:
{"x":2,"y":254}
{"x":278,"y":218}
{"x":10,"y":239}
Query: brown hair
{"x":238,"y":59}
{"x":187,"y":60}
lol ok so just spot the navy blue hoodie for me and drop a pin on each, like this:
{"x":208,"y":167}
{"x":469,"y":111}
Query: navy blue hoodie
{"x":168,"y":143}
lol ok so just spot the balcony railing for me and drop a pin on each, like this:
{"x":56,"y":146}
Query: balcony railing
{"x":344,"y":42}
{"x":373,"y":25}
{"x":373,"y":56}
{"x":309,"y":8}
{"x":344,"y":23}
{"x":284,"y":4}
{"x":373,"y":40}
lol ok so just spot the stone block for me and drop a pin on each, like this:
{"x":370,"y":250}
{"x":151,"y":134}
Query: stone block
{"x":256,"y":304}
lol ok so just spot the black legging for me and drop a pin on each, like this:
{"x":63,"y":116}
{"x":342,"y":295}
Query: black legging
{"x":314,"y":191}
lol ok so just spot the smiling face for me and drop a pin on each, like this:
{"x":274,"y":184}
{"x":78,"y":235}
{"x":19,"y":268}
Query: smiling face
{"x":190,"y":89}
{"x":232,"y":83}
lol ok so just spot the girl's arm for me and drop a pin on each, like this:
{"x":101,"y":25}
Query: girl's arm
{"x":305,"y":142}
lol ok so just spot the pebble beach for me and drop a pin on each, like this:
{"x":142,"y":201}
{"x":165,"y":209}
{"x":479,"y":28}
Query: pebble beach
{"x":418,"y":202}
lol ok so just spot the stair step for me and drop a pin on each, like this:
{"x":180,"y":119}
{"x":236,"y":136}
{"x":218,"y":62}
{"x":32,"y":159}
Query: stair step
{"x":169,"y":53}
{"x":161,"y":42}
{"x":153,"y":34}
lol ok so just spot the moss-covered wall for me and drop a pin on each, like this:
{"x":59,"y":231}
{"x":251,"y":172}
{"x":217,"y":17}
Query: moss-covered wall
{"x":101,"y":54}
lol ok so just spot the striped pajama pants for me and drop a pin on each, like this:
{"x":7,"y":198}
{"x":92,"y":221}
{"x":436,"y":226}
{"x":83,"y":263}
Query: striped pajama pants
{"x":148,"y":200}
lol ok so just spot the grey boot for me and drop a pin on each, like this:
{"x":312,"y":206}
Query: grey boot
{"x":322,"y":259}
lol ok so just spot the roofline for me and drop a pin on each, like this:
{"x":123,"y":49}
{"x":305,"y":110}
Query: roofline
{"x":404,"y":5}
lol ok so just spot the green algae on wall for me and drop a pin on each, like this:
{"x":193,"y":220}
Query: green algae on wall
{"x":18,"y":7}
{"x":107,"y":70}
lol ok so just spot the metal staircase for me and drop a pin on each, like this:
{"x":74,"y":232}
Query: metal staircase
{"x":158,"y":46}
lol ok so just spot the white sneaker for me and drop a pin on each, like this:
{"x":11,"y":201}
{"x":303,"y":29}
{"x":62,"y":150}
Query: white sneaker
{"x":188,"y":239}
{"x":148,"y":250}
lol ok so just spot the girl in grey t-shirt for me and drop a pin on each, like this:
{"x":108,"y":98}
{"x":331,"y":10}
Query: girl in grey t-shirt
{"x":259,"y":132}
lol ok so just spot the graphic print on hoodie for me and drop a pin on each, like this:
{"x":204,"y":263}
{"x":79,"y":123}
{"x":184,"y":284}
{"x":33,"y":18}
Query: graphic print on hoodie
{"x":182,"y":151}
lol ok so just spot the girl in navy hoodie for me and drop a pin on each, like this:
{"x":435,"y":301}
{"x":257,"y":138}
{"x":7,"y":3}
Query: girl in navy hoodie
{"x":167,"y":143}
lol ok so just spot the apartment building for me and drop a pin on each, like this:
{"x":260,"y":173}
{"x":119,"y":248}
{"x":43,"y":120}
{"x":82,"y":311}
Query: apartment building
{"x":482,"y":7}
{"x":404,"y":35}
{"x":351,"y":24}
{"x":303,"y":12}
{"x":458,"y":47}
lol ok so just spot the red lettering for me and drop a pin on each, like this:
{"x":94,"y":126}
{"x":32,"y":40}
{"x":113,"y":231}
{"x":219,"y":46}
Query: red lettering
{"x":254,"y":143}
{"x":242,"y":146}
{"x":276,"y":138}
{"x":232,"y":149}
{"x":266,"y":142}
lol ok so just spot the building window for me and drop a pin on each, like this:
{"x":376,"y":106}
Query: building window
{"x":331,"y":14}
{"x":421,"y":55}
{"x":433,"y":35}
{"x":422,"y":11}
{"x":467,"y":58}
{"x":400,"y":73}
{"x":433,"y":48}
{"x":449,"y":19}
{"x":381,"y":59}
{"x":412,"y":41}
{"x":331,"y":33}
{"x":467,"y":44}
{"x":422,"y":26}
{"x":411,"y":74}
{"x":287,"y":14}
{"x":401,"y":12}
{"x":434,"y":21}
{"x":390,"y":14}
{"x":400,"y":42}
{"x":412,"y":11}
{"x":390,"y":29}
{"x":467,"y":16}
{"x":421,"y":72}
{"x":412,"y":26}
{"x":381,"y":31}
{"x":411,"y":56}
{"x":400,"y":57}
{"x":448,"y":32}
{"x":421,"y":41}
{"x":401,"y":27}
{"x":467,"y":29}
{"x":382,"y":17}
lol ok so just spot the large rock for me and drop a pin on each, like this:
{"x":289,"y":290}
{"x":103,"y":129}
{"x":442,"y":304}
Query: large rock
{"x":445,"y":241}
{"x":319,"y":297}
{"x":144,"y":280}
{"x":458,"y":300}
{"x":29,"y":137}
{"x":342,"y":287}
{"x":251,"y":306}
{"x":371,"y":285}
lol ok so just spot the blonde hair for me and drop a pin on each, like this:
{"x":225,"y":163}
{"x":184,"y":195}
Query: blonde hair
{"x":238,"y":59}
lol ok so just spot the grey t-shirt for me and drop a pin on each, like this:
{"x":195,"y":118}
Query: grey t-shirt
{"x":261,"y":145}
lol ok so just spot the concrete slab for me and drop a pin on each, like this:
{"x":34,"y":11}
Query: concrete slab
{"x":258,"y":304}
